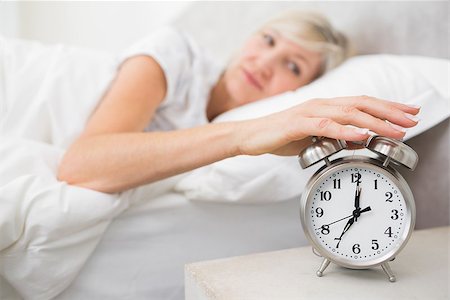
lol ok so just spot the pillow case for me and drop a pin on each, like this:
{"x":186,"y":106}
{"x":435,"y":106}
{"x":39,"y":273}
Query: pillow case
{"x":415,"y":80}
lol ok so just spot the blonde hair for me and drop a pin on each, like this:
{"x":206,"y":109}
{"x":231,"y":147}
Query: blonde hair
{"x":314,"y":32}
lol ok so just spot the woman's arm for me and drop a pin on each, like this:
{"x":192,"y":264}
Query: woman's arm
{"x":113,"y":154}
{"x":114,"y":162}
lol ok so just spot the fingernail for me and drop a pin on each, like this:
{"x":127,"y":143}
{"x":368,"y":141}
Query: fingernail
{"x":412,"y":117}
{"x":362,"y":131}
{"x":396,"y":127}
{"x":413,"y":105}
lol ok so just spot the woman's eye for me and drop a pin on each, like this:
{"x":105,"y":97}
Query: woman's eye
{"x":294,"y":68}
{"x":268,"y":39}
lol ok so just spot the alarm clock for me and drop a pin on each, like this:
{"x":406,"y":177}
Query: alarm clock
{"x":358,"y":211}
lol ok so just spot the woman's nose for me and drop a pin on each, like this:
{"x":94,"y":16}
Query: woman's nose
{"x":266,"y":63}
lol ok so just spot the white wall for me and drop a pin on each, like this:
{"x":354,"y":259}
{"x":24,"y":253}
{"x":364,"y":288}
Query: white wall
{"x":109,"y":26}
{"x":9,"y":23}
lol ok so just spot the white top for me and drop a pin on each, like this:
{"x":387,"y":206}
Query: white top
{"x":190,"y":75}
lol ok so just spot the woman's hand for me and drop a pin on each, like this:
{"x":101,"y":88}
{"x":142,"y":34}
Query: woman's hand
{"x":285,"y":132}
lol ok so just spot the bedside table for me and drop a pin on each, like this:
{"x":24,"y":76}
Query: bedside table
{"x":422,"y":270}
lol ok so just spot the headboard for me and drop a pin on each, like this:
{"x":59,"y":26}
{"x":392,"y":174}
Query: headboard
{"x":415,"y":28}
{"x":407,"y":27}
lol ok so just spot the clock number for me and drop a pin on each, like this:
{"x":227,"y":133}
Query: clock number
{"x":376,"y":184}
{"x":319,"y":212}
{"x":337,"y":183}
{"x":375,"y":245}
{"x":325,"y":229}
{"x":325,"y":195}
{"x":395,"y":216}
{"x":389,"y":197}
{"x":356,"y":178}
{"x":356,"y":249}
{"x":388,"y":231}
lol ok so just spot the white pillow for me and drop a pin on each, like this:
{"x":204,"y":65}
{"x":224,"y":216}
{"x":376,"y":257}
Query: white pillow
{"x":408,"y":79}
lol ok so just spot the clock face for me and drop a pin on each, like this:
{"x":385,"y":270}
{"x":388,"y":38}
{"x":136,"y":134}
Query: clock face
{"x":357,"y":214}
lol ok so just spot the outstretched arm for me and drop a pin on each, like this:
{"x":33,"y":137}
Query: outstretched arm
{"x":113,"y":154}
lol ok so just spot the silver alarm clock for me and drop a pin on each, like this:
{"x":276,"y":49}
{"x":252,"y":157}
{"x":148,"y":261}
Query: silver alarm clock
{"x":358,"y":211}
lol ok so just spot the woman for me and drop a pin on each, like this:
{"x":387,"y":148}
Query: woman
{"x":167,"y":82}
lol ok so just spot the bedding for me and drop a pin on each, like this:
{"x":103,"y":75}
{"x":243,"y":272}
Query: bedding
{"x":49,"y":230}
{"x":50,"y":89}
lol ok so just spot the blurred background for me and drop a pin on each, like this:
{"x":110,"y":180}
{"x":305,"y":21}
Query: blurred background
{"x":221,"y":26}
{"x":109,"y":26}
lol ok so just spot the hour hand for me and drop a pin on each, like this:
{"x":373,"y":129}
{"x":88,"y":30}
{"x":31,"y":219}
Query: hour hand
{"x":350,"y":223}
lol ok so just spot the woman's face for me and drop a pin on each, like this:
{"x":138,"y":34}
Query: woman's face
{"x":269,"y":64}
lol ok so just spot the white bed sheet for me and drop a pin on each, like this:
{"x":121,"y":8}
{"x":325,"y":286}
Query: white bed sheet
{"x":143,"y":253}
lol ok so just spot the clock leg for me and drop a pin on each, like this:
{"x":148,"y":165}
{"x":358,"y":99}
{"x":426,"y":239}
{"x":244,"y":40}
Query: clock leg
{"x":323,"y":266}
{"x":387,"y":269}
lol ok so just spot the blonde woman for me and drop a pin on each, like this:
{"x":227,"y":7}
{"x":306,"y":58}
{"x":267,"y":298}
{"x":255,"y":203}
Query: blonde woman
{"x":154,"y":120}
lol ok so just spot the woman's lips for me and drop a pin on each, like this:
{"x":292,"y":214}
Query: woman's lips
{"x":252,"y":80}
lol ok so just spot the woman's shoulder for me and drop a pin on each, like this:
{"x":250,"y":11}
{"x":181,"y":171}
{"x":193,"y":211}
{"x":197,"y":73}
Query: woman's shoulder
{"x":168,"y":40}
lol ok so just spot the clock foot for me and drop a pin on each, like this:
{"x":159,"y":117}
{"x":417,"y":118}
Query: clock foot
{"x":323,"y":266}
{"x":387,"y":269}
{"x":315,"y":252}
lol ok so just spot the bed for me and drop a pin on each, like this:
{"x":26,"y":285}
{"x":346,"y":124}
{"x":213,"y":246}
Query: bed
{"x":142,"y":243}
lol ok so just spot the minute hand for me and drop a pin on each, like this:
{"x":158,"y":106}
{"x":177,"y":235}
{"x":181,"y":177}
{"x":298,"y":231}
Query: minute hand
{"x":357,"y":196}
{"x":350,"y":223}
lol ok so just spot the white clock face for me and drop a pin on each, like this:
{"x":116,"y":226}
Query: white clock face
{"x":357,"y":214}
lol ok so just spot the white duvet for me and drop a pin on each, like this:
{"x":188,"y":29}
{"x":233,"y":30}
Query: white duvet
{"x":48,"y":229}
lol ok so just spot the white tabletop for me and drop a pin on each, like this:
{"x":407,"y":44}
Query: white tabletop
{"x":422,"y":271}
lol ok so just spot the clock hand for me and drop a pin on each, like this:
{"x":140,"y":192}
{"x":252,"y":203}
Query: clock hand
{"x":356,"y":213}
{"x":365,"y":210}
{"x":338,"y":220}
{"x":346,"y":228}
{"x":362,"y":211}
{"x":357,"y":195}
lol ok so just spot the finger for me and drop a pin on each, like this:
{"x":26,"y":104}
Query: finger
{"x":329,"y":128}
{"x":396,"y":113}
{"x":412,"y":109}
{"x":349,"y":115}
{"x":390,"y":111}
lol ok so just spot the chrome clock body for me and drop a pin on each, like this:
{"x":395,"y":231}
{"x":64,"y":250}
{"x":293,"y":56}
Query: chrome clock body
{"x":357,"y":211}
{"x":357,"y":164}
